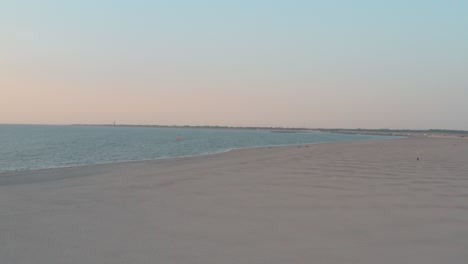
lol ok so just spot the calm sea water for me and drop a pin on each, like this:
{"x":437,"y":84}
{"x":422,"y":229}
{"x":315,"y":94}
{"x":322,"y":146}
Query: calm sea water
{"x":33,"y":147}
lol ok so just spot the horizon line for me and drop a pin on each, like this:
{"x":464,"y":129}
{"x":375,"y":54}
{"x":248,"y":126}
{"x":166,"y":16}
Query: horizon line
{"x":254,"y":127}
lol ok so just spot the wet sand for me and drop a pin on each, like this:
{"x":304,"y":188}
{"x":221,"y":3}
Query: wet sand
{"x":356,"y":202}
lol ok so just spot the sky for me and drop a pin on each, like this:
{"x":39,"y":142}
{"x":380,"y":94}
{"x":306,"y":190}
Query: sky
{"x":319,"y":64}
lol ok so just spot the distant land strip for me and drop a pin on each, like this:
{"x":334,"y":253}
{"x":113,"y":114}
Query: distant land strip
{"x":386,"y":132}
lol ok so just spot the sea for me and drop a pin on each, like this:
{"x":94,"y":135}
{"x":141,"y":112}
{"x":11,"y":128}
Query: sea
{"x":35,"y":147}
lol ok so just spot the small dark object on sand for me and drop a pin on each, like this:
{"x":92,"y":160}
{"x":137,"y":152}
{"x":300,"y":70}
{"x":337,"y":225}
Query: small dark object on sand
{"x":417,"y":158}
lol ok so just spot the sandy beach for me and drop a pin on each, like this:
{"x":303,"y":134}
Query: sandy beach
{"x":354,"y":202}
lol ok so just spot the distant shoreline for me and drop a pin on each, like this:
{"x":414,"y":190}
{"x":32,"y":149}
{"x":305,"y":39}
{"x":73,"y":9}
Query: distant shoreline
{"x":378,"y":132}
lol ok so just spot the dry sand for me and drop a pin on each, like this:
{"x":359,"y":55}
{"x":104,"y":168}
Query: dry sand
{"x":356,"y":202}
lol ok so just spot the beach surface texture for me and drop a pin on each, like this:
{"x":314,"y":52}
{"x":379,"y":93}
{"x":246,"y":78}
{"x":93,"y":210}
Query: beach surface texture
{"x":386,"y":202}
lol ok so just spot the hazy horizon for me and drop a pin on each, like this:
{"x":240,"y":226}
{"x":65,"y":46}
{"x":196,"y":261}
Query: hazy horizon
{"x":317,"y":64}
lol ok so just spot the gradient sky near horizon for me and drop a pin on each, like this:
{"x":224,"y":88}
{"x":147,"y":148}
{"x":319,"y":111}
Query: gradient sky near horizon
{"x":368,"y":63}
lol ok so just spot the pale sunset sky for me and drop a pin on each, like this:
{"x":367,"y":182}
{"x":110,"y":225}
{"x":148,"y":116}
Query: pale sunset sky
{"x":368,"y":64}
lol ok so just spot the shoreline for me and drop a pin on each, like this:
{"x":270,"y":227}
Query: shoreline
{"x":6,"y":173}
